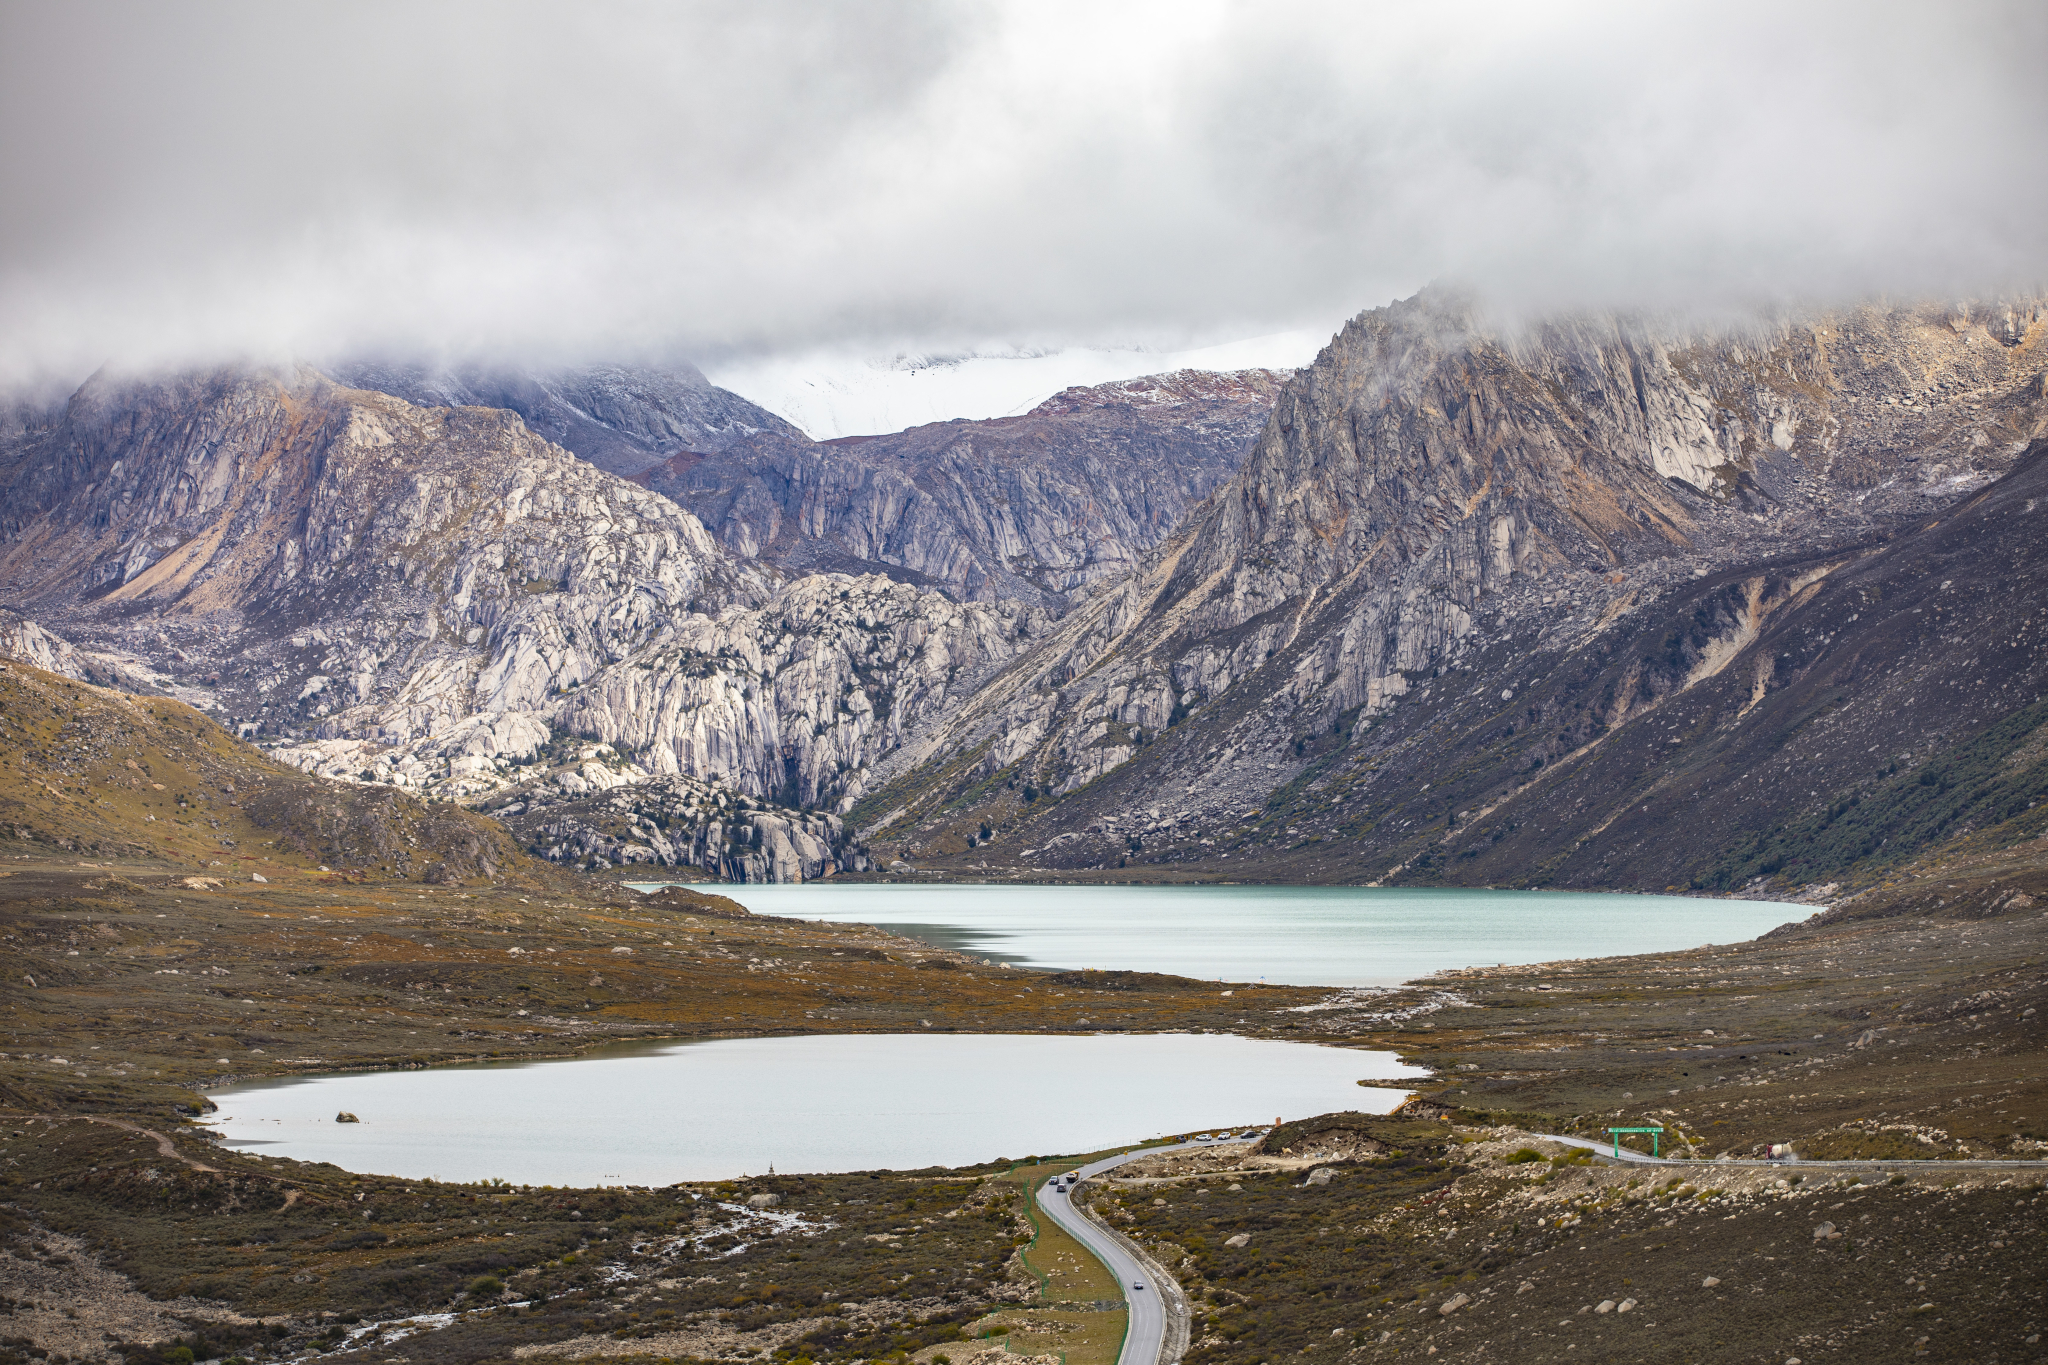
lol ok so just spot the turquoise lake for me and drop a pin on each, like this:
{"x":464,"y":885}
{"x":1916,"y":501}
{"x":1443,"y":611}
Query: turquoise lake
{"x":655,"y":1114}
{"x":1298,"y":935}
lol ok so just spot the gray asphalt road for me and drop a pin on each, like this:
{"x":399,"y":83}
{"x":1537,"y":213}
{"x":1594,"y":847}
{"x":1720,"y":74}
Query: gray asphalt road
{"x":1150,"y":1300}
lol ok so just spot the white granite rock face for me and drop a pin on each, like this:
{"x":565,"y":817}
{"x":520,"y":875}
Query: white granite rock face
{"x":23,"y":639}
{"x":800,"y":698}
{"x":435,"y":597}
{"x":795,"y":700}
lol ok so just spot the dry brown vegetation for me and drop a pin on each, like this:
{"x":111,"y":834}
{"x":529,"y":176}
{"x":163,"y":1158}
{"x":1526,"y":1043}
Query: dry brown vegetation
{"x":143,"y":964}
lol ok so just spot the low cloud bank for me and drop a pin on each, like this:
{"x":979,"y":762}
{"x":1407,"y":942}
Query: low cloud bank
{"x":733,"y":181}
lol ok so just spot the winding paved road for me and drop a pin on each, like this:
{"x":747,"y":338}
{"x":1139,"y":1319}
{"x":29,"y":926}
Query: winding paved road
{"x":1153,"y":1296}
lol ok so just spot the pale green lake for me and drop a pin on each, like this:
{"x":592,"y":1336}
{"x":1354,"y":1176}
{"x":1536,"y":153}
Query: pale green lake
{"x":1298,"y":935}
{"x":658,"y":1114}
{"x":714,"y":1110}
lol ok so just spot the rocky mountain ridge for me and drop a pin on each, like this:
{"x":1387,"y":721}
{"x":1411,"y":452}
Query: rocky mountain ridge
{"x":429,"y":597}
{"x":1456,"y":566}
{"x":1433,"y":501}
{"x":1038,"y":508}
{"x":621,"y":418}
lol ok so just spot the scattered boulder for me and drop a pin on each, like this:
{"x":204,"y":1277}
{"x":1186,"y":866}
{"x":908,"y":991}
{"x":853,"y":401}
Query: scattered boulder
{"x":1824,"y":1232}
{"x":1710,"y":1282}
{"x":1340,"y":1136}
{"x":763,"y":1201}
{"x":1242,"y":1239}
{"x":1453,"y":1304}
{"x":345,"y":1117}
{"x":1321,"y":1175}
{"x":1604,"y":1306}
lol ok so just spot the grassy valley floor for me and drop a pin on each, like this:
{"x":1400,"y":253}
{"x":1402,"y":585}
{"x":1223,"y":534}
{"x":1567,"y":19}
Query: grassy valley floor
{"x":144,"y":959}
{"x":1907,"y":1028}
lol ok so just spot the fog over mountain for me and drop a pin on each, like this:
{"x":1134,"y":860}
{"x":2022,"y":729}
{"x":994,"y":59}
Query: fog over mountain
{"x":833,"y":394}
{"x":627,"y":182}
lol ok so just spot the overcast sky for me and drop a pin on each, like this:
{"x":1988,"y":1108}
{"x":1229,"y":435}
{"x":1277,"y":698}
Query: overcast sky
{"x":199,"y":181}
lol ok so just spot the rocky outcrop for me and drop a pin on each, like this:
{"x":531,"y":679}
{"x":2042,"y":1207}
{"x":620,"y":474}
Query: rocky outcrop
{"x":1035,"y":508}
{"x":1430,"y":501}
{"x":382,"y":830}
{"x":621,"y":418}
{"x":679,"y":823}
{"x":23,"y":639}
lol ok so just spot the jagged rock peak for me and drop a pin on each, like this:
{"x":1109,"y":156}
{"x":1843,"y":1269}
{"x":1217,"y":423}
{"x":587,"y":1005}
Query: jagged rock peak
{"x":622,"y":418}
{"x":1039,"y":507}
{"x":1168,"y":390}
